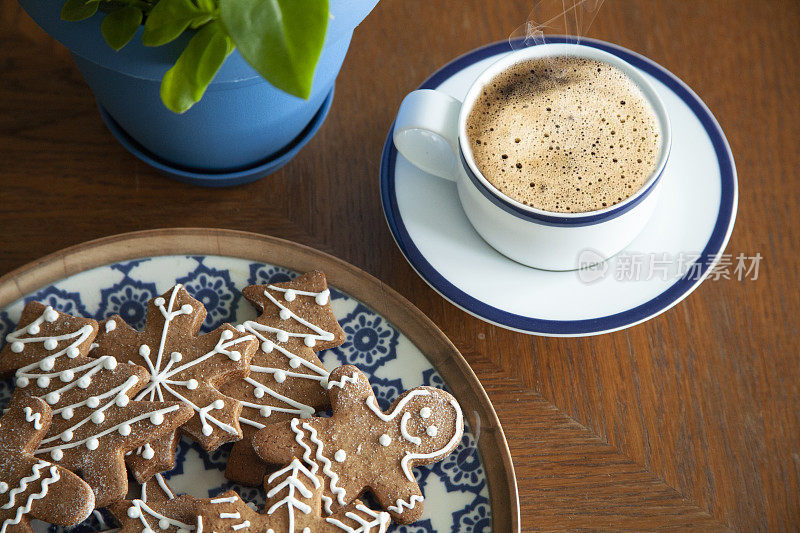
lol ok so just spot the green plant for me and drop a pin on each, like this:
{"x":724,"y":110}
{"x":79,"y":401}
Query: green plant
{"x":281,"y":39}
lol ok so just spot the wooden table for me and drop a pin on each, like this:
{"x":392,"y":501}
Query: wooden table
{"x":689,"y":420}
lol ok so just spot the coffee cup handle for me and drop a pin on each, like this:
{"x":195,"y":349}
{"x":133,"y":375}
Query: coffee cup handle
{"x":426,"y":132}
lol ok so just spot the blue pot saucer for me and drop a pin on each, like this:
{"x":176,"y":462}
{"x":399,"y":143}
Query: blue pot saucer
{"x":226,"y":178}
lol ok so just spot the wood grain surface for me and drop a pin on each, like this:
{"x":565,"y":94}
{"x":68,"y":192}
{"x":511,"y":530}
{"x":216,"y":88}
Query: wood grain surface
{"x":690,"y":420}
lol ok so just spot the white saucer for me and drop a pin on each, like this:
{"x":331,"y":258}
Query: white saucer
{"x":676,"y":251}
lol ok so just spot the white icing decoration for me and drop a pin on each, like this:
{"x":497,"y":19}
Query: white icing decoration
{"x":340,"y":456}
{"x":293,"y":484}
{"x":31,"y":416}
{"x":366,"y":519}
{"x":17,"y":347}
{"x":299,"y":434}
{"x":162,"y":380}
{"x":353,"y":378}
{"x":425,"y":412}
{"x":432,"y":430}
{"x":147,"y":452}
{"x":36,"y":475}
{"x":3,"y":487}
{"x":385,"y":440}
{"x":404,"y":430}
{"x":400,"y":504}
{"x":111,"y":325}
{"x":141,"y":510}
{"x":459,"y":425}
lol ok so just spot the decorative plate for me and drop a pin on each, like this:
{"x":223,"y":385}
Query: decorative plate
{"x":386,"y":337}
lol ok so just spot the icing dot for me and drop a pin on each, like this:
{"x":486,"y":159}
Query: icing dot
{"x":432,"y":431}
{"x":66,"y":376}
{"x":289,"y":295}
{"x":207,"y":430}
{"x":43,"y":382}
{"x":67,"y":436}
{"x":33,"y":329}
{"x":186,"y":309}
{"x":266,"y":411}
{"x":234,"y":356}
{"x":163,"y":523}
{"x":51,"y":315}
{"x":282,"y":336}
{"x":3,"y":487}
{"x":385,"y":440}
{"x":192,"y":384}
{"x":157,"y":419}
{"x":285,"y":314}
{"x":322,"y":298}
{"x":73,"y":352}
{"x":52,"y":398}
{"x":23,"y":382}
{"x":227,"y":335}
{"x":267,"y":346}
{"x":425,"y":412}
{"x":259,"y":392}
{"x":340,"y":456}
{"x":50,"y":344}
{"x":47,"y":363}
{"x":57,"y":455}
{"x":309,"y":341}
{"x":17,"y":347}
{"x":109,"y":363}
{"x":111,"y":325}
{"x":124,"y":430}
{"x":67,"y":413}
{"x":122,"y":400}
{"x":144,"y":350}
{"x":218,"y":404}
{"x":84,"y":382}
{"x":98,"y":417}
{"x":294,"y":362}
{"x":93,"y":402}
{"x":148,"y":453}
{"x":159,"y":301}
{"x":280,"y":376}
{"x":133,"y":512}
{"x":92,"y":444}
{"x":176,"y":356}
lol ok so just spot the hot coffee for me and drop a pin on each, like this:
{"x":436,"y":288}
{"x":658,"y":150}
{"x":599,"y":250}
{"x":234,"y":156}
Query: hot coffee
{"x":564,"y":134}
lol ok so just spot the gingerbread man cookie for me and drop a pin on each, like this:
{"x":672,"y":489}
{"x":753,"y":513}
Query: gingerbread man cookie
{"x":157,"y":509}
{"x":184,"y":367}
{"x":362,"y":448}
{"x":32,"y":487}
{"x":294,"y":504}
{"x":95,"y":420}
{"x":287,"y":378}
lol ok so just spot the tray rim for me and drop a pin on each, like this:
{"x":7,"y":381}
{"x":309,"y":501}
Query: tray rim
{"x":420,"y":329}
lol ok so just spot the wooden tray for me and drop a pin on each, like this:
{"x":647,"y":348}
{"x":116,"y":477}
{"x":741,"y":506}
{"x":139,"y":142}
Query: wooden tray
{"x":261,"y":248}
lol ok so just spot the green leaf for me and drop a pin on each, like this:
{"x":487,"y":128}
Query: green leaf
{"x":120,"y":25}
{"x":185,"y":83}
{"x":75,"y":10}
{"x":281,"y":39}
{"x":168,"y":19}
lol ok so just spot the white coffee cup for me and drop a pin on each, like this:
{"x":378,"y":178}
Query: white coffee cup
{"x":430,"y":132}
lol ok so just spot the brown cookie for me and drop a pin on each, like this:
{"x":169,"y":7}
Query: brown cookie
{"x":157,"y":509}
{"x":362,"y":448}
{"x":184,"y":367}
{"x":31,"y":487}
{"x":287,"y":378}
{"x":294,"y":504}
{"x":95,"y":422}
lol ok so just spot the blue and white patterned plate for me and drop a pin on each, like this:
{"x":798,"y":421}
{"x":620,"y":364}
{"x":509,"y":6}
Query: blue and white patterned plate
{"x":456,"y":490}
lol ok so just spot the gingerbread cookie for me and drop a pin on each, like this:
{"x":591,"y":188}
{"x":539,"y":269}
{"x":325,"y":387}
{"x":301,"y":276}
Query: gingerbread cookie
{"x":184,"y":367}
{"x":31,"y":487}
{"x":293,"y":505}
{"x":95,"y":421}
{"x":362,"y":448}
{"x":157,"y":509}
{"x":287,"y":378}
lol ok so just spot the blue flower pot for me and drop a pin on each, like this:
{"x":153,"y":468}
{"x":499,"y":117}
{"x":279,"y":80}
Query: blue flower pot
{"x":241,"y":122}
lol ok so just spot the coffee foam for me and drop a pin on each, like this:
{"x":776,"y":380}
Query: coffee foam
{"x":564,"y":134}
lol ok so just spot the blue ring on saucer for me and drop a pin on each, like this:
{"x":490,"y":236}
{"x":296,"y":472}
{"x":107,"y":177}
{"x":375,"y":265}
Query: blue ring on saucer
{"x":227,"y":178}
{"x":694,"y":276}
